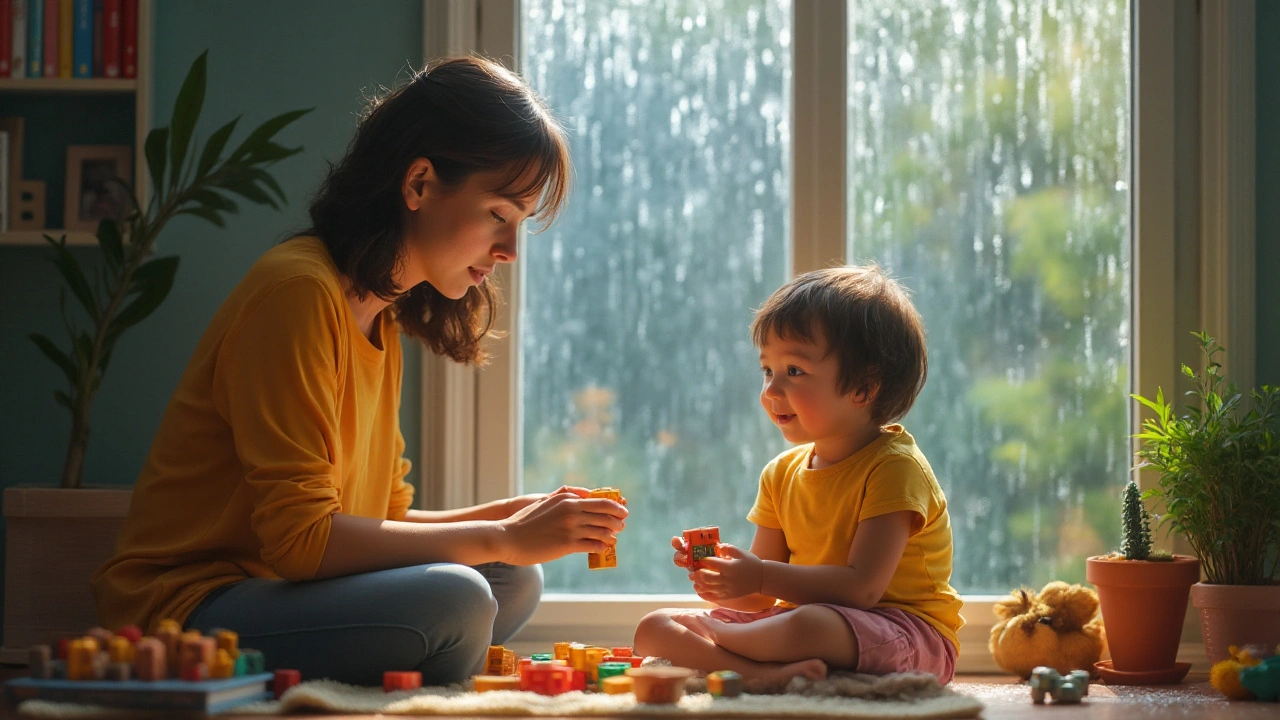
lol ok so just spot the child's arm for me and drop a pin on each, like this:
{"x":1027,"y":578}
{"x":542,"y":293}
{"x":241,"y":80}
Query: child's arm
{"x":873,"y":557}
{"x":769,"y":543}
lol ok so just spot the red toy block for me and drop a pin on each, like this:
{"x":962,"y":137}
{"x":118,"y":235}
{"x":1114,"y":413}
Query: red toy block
{"x":547,"y":678}
{"x":195,"y":672}
{"x":401,"y":680}
{"x":633,"y":660}
{"x":699,"y":543}
{"x":579,"y":681}
{"x":285,"y":679}
{"x":132,"y":633}
{"x":621,"y":652}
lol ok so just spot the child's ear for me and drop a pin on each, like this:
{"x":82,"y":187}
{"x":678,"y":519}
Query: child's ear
{"x":417,"y":184}
{"x":864,"y":395}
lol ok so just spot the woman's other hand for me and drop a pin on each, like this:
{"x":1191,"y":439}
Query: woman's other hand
{"x":554,"y":525}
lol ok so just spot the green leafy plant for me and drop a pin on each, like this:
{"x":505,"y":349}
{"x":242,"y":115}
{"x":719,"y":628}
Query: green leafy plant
{"x":1219,"y":466}
{"x":129,"y":283}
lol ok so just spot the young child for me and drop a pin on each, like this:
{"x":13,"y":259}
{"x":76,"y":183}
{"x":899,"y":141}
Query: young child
{"x":851,"y":561}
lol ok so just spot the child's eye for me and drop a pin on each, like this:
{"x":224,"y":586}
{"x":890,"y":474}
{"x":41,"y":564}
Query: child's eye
{"x":767,"y":372}
{"x":497,"y":217}
{"x":794,"y":371}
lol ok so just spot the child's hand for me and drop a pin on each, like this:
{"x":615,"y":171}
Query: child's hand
{"x":682,"y":553}
{"x":732,"y":573}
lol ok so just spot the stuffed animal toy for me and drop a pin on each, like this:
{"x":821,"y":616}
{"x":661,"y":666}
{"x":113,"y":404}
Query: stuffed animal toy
{"x":1059,"y":627}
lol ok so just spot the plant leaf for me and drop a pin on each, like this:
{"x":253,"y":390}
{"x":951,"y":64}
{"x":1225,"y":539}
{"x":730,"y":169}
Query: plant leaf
{"x":58,"y":357}
{"x":214,"y":200}
{"x":244,"y":187}
{"x":203,"y":212}
{"x":111,"y":242}
{"x":186,"y":111}
{"x":156,"y":145}
{"x":265,"y":178}
{"x":152,"y":281}
{"x":265,"y":132}
{"x":213,"y":148}
{"x":71,"y":272}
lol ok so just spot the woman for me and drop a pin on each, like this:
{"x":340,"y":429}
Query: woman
{"x":273,"y":501}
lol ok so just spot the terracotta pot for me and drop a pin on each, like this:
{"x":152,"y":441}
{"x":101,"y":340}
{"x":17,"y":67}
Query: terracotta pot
{"x":1237,"y":615}
{"x":1143,"y":606}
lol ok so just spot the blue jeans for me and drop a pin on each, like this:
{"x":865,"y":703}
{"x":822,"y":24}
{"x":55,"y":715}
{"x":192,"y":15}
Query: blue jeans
{"x":438,"y":619}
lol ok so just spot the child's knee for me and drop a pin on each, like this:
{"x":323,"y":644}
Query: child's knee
{"x":651,"y":631}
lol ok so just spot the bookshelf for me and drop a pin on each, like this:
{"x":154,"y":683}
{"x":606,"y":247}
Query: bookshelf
{"x":18,"y":94}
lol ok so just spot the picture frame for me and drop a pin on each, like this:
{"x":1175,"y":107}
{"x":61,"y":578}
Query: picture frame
{"x":92,"y":194}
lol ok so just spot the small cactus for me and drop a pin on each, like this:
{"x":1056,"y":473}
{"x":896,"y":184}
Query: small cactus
{"x":1136,"y":532}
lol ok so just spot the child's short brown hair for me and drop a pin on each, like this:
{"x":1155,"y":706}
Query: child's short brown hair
{"x":867,"y":320}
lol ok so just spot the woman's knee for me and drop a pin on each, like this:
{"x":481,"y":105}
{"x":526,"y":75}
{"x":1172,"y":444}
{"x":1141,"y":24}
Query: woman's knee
{"x":459,"y":593}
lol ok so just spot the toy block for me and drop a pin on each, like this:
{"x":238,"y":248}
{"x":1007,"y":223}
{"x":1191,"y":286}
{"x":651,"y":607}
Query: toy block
{"x":1081,"y":677}
{"x":724,"y":683}
{"x":609,"y":669}
{"x":608,"y":558}
{"x":493,"y":660}
{"x":393,"y":681}
{"x":229,"y":641}
{"x":578,"y":656}
{"x":119,"y":671}
{"x":223,"y":666}
{"x":255,"y":663}
{"x":594,"y":656}
{"x":1046,"y":681}
{"x":240,"y":666}
{"x":542,"y":657}
{"x":633,"y":661}
{"x":80,"y":657}
{"x":195,"y":672}
{"x":132,"y":633}
{"x":621,"y":652}
{"x":150,"y":661}
{"x":40,"y":661}
{"x":63,"y":648}
{"x":510,"y":662}
{"x":194,"y":648}
{"x":168,"y":634}
{"x":282,"y":680}
{"x":523,"y":662}
{"x":579,"y":681}
{"x":561,"y":650}
{"x":101,"y":634}
{"x":546,"y":678}
{"x":486,"y":683}
{"x":120,"y":650}
{"x":700,"y":543}
{"x":616,"y":685}
{"x":658,"y":685}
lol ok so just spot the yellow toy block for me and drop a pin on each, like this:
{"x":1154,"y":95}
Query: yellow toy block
{"x":578,"y":656}
{"x":230,"y":641}
{"x":561,"y":650}
{"x":594,"y":656}
{"x":222,"y":666}
{"x":120,"y":650}
{"x":616,"y":685}
{"x":486,"y":683}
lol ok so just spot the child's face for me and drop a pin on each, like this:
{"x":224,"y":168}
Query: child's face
{"x":802,"y":398}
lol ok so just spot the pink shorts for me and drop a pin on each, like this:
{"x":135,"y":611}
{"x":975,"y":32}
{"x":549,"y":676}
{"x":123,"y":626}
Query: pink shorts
{"x":889,"y":640}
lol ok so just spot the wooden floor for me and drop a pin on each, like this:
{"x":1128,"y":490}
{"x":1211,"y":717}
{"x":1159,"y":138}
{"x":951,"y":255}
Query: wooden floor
{"x":1007,"y":699}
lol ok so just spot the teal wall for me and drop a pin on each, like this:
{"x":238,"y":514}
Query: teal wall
{"x":264,"y":59}
{"x":1268,"y":98}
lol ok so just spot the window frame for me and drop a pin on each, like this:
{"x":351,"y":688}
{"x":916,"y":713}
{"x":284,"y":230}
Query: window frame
{"x":1192,"y":232}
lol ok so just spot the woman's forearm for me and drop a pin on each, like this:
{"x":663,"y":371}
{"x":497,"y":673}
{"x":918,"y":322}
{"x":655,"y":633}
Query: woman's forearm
{"x":358,"y":544}
{"x":496,"y":510}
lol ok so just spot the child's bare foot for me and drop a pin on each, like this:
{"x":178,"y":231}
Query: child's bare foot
{"x":697,"y":623}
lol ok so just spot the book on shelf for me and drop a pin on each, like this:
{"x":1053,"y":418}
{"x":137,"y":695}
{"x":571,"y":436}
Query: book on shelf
{"x":111,"y":38}
{"x":35,"y":38}
{"x":129,"y":39}
{"x":4,"y":181}
{"x":97,"y":38}
{"x":18,"y":38}
{"x":6,"y":37}
{"x":82,"y":40}
{"x":66,"y":35}
{"x":50,"y":48}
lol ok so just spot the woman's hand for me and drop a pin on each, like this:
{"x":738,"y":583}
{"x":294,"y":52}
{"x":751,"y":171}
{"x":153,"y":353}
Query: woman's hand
{"x":732,"y":573}
{"x":565,"y":521}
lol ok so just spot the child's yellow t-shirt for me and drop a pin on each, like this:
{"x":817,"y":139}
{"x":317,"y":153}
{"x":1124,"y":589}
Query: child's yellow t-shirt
{"x":285,"y":414}
{"x":819,"y":510}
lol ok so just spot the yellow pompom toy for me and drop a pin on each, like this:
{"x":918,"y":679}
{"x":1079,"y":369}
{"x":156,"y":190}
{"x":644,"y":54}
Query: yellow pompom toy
{"x":1225,"y":675}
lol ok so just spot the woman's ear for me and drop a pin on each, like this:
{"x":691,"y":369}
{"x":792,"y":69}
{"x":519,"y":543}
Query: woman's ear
{"x":417,"y":184}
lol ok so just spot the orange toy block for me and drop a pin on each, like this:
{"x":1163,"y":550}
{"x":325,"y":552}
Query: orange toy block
{"x":500,"y":661}
{"x":561,"y":650}
{"x":393,"y":681}
{"x":223,"y":665}
{"x":700,"y":543}
{"x":510,"y":662}
{"x":120,"y":650}
{"x":621,"y":652}
{"x":608,"y":558}
{"x":80,"y":658}
{"x":486,"y":683}
{"x":616,"y":685}
{"x":284,"y":679}
{"x":230,"y":641}
{"x":546,"y":678}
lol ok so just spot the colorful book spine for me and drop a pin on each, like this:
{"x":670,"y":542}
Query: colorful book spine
{"x":50,"y":48}
{"x":97,"y":38}
{"x":129,"y":40}
{"x":111,"y":38}
{"x":35,"y":38}
{"x":66,"y":25}
{"x":82,"y":40}
{"x":18,"y":39}
{"x":6,"y":37}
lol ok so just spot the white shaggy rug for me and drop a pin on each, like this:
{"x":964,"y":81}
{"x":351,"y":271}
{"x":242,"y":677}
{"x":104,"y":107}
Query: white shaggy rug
{"x":843,"y":695}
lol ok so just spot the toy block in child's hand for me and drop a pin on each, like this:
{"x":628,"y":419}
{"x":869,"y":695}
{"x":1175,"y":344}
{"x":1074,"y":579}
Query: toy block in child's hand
{"x":700,"y":543}
{"x":401,"y":680}
{"x":608,"y":558}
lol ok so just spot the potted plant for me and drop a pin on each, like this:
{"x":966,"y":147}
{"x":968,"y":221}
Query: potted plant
{"x":1219,"y":466}
{"x":57,"y":537}
{"x":1143,"y":598}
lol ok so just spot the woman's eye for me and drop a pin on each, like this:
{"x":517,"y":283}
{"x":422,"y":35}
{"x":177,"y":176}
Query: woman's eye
{"x":497,"y":217}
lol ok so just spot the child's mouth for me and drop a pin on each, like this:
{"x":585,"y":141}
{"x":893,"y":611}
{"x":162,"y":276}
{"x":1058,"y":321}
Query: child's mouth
{"x":784,"y":419}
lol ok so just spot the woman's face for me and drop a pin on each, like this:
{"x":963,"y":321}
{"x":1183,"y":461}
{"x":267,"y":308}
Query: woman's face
{"x":456,"y":236}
